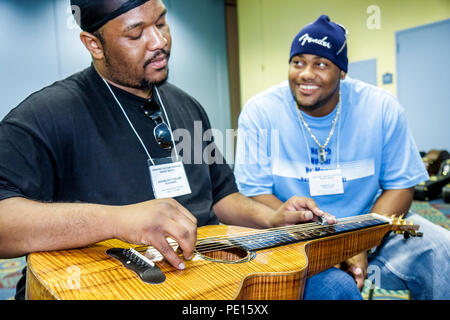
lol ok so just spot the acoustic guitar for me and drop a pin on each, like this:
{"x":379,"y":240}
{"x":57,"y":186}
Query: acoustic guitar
{"x":229,"y":263}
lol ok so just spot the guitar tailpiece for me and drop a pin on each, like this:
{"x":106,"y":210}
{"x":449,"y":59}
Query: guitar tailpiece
{"x":147,"y":270}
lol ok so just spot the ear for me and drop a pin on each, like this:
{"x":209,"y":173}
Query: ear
{"x":343,"y":75}
{"x":93,"y":44}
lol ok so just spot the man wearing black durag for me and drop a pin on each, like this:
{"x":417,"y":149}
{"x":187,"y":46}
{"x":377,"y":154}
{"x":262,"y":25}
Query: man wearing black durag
{"x":80,"y":157}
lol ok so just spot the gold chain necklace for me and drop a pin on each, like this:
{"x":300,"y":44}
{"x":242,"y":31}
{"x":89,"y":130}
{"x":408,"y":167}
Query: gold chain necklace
{"x":322,"y":152}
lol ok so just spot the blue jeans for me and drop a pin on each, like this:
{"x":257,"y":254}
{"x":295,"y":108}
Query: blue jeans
{"x":331,"y":284}
{"x":420,"y":265}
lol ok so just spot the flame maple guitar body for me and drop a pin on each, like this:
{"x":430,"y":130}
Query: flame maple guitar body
{"x":271,"y":274}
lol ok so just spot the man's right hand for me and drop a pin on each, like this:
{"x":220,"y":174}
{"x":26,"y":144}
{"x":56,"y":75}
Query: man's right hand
{"x":151,"y":222}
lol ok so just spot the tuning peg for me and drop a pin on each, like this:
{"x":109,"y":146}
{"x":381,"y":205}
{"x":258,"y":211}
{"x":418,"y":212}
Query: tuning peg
{"x":408,"y":234}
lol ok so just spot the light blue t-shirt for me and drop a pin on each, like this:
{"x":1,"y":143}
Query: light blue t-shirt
{"x":371,"y":145}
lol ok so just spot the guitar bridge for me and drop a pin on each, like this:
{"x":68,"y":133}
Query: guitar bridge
{"x":139,"y":264}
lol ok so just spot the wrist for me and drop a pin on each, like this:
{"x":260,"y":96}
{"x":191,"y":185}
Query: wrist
{"x":271,"y":219}
{"x":112,"y":215}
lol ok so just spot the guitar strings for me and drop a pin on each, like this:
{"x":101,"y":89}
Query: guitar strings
{"x":213,"y":243}
{"x":206,"y":244}
{"x":306,"y":226}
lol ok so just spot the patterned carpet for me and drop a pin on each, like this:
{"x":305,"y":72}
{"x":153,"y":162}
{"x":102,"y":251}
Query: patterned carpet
{"x":10,"y":273}
{"x":435,"y":211}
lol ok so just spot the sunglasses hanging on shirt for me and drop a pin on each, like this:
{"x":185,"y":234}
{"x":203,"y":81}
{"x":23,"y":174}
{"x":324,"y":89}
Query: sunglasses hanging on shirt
{"x":162,"y":132}
{"x":167,"y":175}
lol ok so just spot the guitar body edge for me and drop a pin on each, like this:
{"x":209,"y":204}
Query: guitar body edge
{"x":35,"y":289}
{"x":275,"y":285}
{"x":271,"y":274}
{"x":327,"y":252}
{"x":90,"y":274}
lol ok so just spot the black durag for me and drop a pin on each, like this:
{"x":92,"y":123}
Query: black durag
{"x":91,"y":15}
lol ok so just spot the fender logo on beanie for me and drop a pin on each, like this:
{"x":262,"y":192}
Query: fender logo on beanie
{"x":323,"y":38}
{"x":306,"y":38}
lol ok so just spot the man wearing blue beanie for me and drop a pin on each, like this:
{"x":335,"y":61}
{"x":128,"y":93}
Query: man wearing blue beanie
{"x":323,"y":38}
{"x":347,"y":145}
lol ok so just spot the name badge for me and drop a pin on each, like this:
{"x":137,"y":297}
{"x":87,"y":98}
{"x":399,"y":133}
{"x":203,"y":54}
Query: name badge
{"x":169,"y":180}
{"x":326,"y":182}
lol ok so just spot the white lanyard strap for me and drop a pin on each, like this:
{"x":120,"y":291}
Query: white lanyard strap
{"x":131,"y":124}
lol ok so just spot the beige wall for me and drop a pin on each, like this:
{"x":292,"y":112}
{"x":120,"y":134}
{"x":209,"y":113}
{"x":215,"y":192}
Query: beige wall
{"x":267,"y":28}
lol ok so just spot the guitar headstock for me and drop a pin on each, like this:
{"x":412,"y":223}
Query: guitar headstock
{"x":405,"y":227}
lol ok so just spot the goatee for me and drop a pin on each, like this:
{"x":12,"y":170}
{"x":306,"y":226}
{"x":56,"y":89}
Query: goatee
{"x":147,"y":84}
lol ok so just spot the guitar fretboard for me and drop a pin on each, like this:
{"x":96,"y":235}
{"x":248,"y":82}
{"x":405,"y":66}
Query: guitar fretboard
{"x":279,"y":237}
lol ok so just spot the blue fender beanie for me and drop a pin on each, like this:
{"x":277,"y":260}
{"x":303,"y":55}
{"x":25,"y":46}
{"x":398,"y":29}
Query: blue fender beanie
{"x":323,"y":38}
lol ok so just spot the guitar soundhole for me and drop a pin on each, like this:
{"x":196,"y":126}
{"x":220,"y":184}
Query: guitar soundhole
{"x":229,"y":255}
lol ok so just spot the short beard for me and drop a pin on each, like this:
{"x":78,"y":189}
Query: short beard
{"x":149,"y":84}
{"x":146,"y":84}
{"x":143,"y":84}
{"x":320,"y":103}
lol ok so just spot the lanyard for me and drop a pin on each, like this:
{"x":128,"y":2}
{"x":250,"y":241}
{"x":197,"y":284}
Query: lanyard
{"x":131,"y":124}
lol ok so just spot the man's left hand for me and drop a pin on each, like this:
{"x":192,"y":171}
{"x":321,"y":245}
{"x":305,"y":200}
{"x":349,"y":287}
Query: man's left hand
{"x":300,"y":210}
{"x":357,"y":268}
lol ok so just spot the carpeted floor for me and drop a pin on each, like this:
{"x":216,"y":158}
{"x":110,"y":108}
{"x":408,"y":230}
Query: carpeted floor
{"x":435,"y":211}
{"x":10,"y":273}
{"x":441,"y":206}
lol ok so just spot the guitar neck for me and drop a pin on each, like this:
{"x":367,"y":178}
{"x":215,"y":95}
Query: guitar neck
{"x":329,"y":251}
{"x":276,"y":237}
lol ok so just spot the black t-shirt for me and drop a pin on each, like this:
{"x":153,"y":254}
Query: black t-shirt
{"x":70,"y":142}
